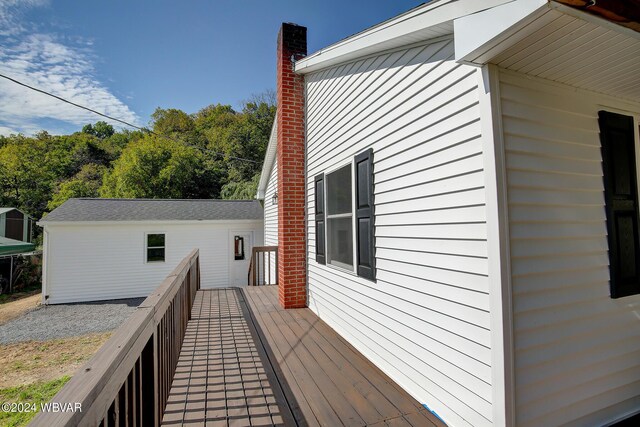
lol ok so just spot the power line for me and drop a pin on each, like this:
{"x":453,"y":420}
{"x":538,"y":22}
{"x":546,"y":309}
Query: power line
{"x":69,"y":102}
{"x":123,"y":121}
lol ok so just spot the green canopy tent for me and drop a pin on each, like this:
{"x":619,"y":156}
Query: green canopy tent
{"x":10,"y":248}
{"x":14,"y":247}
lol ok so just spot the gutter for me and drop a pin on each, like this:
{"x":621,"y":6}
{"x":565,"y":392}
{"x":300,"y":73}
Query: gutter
{"x":152,"y":222}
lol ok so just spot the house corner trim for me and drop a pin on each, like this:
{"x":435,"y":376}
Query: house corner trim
{"x":498,"y":247}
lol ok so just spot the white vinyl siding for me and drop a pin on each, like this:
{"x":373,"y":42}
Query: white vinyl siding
{"x":271,"y":217}
{"x":577,"y":351}
{"x":425,"y":321}
{"x":98,"y":262}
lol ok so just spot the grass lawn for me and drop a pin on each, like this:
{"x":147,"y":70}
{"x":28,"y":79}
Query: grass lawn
{"x":36,"y":361}
{"x":4,"y":298}
{"x":12,"y":309}
{"x":33,"y":372}
{"x":37,"y":393}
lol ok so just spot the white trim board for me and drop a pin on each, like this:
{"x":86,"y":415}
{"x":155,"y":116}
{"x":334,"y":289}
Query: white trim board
{"x":425,"y":22}
{"x":502,"y":351}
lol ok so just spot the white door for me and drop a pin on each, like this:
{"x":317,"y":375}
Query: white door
{"x":241,"y":245}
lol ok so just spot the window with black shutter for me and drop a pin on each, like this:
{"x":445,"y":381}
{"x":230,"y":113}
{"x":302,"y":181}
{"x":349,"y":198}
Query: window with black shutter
{"x":319,"y":219}
{"x":365,"y":242}
{"x":621,"y":196}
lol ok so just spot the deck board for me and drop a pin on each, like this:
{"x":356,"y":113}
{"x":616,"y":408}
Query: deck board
{"x":247,"y":362}
{"x":355,"y":390}
{"x":221,"y":378}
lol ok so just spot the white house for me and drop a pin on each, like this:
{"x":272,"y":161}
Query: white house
{"x":100,"y":249}
{"x":465,"y":179}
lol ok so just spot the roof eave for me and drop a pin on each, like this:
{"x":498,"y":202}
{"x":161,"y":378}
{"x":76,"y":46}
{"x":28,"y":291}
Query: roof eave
{"x":410,"y":27}
{"x":480,"y":32}
{"x":150,"y":222}
{"x":7,"y":209}
{"x":482,"y":36}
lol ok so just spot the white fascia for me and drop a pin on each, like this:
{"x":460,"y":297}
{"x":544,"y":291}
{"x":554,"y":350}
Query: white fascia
{"x":409,"y":27}
{"x":478,"y":33}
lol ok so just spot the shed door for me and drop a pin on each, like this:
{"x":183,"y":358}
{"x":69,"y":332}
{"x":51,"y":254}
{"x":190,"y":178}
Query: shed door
{"x":14,"y":228}
{"x":240,"y":247}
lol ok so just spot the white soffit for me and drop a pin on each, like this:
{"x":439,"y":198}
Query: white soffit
{"x":429,"y":21}
{"x":567,"y":46}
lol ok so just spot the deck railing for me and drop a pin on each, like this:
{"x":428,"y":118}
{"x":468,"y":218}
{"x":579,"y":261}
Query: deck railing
{"x":127,"y":381}
{"x":260,"y":271}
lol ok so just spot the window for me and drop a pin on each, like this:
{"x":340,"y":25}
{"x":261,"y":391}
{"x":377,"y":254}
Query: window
{"x":344,"y":218}
{"x":340,"y":218}
{"x":617,"y":134}
{"x":319,"y":219}
{"x":238,"y":251}
{"x":155,"y":247}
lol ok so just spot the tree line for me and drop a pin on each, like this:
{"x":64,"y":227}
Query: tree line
{"x":187,"y":156}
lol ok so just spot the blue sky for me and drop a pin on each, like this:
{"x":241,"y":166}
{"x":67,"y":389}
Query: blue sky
{"x":125,"y":58}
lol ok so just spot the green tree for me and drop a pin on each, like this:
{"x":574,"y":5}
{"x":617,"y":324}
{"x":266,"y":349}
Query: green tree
{"x":195,"y":156}
{"x":154,"y":167}
{"x":100,"y":129}
{"x":29,"y":170}
{"x":85,"y":183}
{"x":248,"y":139}
{"x":241,"y":190}
{"x":85,"y":149}
{"x":214,"y":124}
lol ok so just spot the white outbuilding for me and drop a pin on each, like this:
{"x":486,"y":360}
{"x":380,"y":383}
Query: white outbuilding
{"x":100,"y":249}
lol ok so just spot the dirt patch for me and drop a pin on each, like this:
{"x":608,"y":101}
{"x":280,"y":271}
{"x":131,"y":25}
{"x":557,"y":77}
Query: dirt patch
{"x":16,"y":308}
{"x":37,"y":361}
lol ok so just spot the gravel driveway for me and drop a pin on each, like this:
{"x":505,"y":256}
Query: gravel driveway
{"x":68,"y":320}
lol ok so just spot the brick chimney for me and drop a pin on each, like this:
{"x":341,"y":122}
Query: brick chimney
{"x":292,"y":289}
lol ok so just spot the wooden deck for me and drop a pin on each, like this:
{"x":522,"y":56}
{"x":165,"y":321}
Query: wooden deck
{"x":247,"y":362}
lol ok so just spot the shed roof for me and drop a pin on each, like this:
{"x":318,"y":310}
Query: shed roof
{"x":95,"y":210}
{"x":4,"y":210}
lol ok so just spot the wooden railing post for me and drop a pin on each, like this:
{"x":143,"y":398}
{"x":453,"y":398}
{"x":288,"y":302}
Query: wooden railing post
{"x":258,"y":270}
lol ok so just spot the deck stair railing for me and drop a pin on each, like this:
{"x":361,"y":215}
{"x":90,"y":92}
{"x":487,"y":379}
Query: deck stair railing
{"x":263,"y":267}
{"x":127,"y":382}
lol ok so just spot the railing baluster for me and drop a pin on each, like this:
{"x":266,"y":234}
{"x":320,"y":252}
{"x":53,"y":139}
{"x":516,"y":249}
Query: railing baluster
{"x":269,"y":268}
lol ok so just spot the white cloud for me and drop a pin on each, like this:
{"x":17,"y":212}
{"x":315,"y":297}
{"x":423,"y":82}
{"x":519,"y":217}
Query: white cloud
{"x":11,"y":12}
{"x":45,"y":62}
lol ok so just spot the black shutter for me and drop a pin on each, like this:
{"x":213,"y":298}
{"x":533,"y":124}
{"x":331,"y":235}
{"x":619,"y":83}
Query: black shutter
{"x":364,"y":216}
{"x":320,"y":244}
{"x":621,"y":197}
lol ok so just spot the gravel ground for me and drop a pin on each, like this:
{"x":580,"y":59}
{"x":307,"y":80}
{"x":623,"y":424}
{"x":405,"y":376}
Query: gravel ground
{"x":68,"y":320}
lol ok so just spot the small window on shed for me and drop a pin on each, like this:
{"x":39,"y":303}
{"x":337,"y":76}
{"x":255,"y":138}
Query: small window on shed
{"x":155,"y":247}
{"x":238,"y":248}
